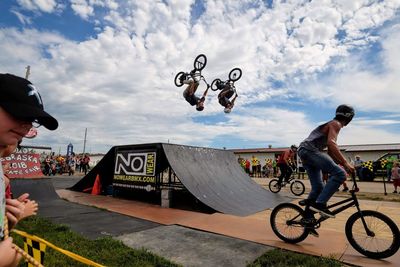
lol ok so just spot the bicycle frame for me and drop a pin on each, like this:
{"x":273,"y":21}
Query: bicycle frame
{"x":351,"y":201}
{"x":197,"y":73}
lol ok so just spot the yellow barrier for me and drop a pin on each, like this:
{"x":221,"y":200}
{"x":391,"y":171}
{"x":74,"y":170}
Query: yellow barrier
{"x":63,"y":251}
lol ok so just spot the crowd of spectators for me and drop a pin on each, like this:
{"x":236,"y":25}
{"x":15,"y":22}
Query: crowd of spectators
{"x":53,"y":165}
{"x":256,"y":169}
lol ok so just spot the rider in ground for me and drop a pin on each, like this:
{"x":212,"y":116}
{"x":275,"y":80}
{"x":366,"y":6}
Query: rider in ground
{"x":225,"y":95}
{"x":315,"y":161}
{"x":189,"y":93}
{"x":284,"y":162}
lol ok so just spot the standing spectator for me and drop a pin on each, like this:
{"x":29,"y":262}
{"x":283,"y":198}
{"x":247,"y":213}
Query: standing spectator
{"x":247,"y":168}
{"x":301,"y":169}
{"x":85,"y":163}
{"x":254,"y":162}
{"x":275,"y":167}
{"x":358,"y":166}
{"x":396,"y":176}
{"x":389,"y":166}
{"x":47,"y":166}
{"x":71,"y":165}
{"x":285,"y":160}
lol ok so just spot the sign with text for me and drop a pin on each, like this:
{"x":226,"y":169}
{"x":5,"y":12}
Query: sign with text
{"x":22,"y":165}
{"x":135,"y":168}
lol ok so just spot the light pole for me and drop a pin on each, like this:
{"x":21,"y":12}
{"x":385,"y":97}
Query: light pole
{"x":84,"y":142}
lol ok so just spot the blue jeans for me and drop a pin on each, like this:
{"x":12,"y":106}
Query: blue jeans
{"x":316,"y":162}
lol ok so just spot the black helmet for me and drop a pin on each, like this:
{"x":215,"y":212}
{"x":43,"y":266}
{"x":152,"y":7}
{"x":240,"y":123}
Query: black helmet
{"x":345,"y":112}
{"x":293,"y":147}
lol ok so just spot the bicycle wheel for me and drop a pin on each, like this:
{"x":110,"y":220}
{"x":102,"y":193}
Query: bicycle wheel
{"x":274,"y":186}
{"x":200,"y":62}
{"x":285,"y":222}
{"x":235,"y":74}
{"x":179,"y":79}
{"x":384,"y":240}
{"x":297,"y":188}
{"x":214,"y":84}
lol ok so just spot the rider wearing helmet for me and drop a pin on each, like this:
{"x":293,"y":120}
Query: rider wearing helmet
{"x":316,"y":162}
{"x":224,"y":96}
{"x":285,"y":163}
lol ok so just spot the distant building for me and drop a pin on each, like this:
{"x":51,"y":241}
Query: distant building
{"x":366,"y":152}
{"x":36,"y":149}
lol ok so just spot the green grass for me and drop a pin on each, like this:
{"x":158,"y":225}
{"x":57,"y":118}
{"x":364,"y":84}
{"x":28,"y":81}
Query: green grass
{"x":106,"y":251}
{"x":284,"y":258}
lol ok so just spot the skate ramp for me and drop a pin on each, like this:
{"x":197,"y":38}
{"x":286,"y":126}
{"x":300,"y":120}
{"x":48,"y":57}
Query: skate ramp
{"x":215,"y":178}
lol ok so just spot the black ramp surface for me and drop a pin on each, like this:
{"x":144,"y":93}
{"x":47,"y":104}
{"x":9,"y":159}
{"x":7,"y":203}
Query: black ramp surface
{"x":215,"y":178}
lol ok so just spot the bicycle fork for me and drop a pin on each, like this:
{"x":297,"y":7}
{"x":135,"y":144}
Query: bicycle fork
{"x":353,"y":201}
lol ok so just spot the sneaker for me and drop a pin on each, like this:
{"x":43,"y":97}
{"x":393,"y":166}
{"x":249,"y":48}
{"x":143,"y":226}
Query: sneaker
{"x":345,"y":189}
{"x":306,"y":202}
{"x":321,"y":209}
{"x":394,"y":192}
{"x":313,"y":232}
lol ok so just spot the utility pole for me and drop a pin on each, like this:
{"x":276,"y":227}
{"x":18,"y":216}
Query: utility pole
{"x":84,"y":142}
{"x":28,"y":72}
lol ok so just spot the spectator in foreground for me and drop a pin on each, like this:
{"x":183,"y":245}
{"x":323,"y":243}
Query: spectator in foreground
{"x":21,"y":107}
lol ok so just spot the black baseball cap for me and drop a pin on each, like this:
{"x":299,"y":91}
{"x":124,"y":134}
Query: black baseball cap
{"x":20,"y":98}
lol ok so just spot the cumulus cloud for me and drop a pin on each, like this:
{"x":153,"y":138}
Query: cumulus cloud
{"x":47,"y":6}
{"x":119,"y":84}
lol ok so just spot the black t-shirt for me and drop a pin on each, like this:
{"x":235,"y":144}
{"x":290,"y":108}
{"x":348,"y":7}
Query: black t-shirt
{"x":192,"y":99}
{"x":224,"y":101}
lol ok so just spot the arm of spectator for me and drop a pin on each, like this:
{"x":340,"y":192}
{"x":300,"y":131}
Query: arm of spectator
{"x":14,"y":210}
{"x":8,"y":255}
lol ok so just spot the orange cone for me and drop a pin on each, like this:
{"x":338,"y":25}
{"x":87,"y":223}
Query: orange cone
{"x":96,"y":190}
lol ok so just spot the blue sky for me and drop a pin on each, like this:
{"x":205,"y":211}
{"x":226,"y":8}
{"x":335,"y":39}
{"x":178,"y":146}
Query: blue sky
{"x":109,"y":65}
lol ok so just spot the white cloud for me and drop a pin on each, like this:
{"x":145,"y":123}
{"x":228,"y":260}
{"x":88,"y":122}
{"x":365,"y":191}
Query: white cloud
{"x":82,"y":8}
{"x":119,"y":83}
{"x":47,"y":6}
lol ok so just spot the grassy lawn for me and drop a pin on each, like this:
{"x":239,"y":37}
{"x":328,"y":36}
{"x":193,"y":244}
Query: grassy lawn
{"x":284,"y":258}
{"x":106,"y":251}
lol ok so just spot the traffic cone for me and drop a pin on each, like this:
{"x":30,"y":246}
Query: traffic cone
{"x":96,"y":190}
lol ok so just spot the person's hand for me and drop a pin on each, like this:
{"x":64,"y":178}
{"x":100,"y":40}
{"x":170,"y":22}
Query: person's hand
{"x":349,"y":168}
{"x":23,"y":198}
{"x":8,"y":255}
{"x":14,"y":211}
{"x":31,"y":208}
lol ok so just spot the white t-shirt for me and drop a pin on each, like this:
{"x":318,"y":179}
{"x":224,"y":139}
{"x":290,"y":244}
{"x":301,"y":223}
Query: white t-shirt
{"x":2,"y":202}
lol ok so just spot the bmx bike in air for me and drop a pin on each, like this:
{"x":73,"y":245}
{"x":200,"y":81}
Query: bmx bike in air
{"x":234,"y":75}
{"x":296,"y":186}
{"x":199,"y":64}
{"x":370,"y":232}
